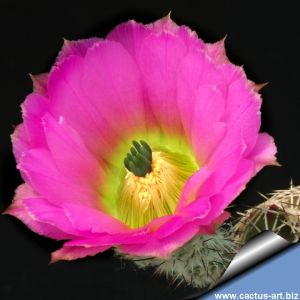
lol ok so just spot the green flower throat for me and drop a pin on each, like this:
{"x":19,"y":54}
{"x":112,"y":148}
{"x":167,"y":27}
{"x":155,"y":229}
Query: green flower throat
{"x":147,"y":182}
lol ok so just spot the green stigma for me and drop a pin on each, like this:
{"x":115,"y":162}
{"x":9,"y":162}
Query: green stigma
{"x":139,"y":160}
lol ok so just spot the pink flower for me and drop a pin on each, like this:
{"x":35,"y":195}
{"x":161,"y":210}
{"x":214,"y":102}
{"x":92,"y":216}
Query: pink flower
{"x":85,"y":182}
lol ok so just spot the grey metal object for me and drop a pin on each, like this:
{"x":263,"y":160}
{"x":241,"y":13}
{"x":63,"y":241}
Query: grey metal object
{"x":253,"y":252}
{"x":259,"y":248}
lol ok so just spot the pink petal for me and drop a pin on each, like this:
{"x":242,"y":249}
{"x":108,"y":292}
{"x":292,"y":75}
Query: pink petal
{"x":179,"y":238}
{"x":234,"y":186}
{"x":188,"y":36}
{"x":244,"y":115}
{"x":64,"y":87}
{"x":212,"y":226}
{"x":164,"y":24}
{"x":39,"y":170}
{"x":162,"y":248}
{"x":228,"y":153}
{"x":40,"y":83}
{"x":221,"y":199}
{"x":181,"y":219}
{"x":111,"y":82}
{"x":169,"y":236}
{"x":213,"y":176}
{"x":217,"y":52}
{"x":77,"y":48}
{"x":69,"y":218}
{"x":20,"y":142}
{"x":197,"y":76}
{"x":19,"y":210}
{"x":95,"y":220}
{"x":190,"y":190}
{"x":33,"y":109}
{"x":147,"y":236}
{"x":158,"y":65}
{"x":69,"y":153}
{"x":264,"y":151}
{"x":47,"y":213}
{"x":131,"y":35}
{"x":160,"y":56}
{"x":206,"y":128}
{"x":75,"y":252}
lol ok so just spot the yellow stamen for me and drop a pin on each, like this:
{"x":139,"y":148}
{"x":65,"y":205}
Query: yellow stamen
{"x":144,"y":198}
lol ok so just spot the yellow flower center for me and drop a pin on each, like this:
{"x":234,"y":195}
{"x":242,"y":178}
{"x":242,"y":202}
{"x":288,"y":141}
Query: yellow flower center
{"x":156,"y":194}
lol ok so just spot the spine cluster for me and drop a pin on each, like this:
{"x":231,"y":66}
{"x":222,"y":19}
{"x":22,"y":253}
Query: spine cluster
{"x":279,"y":213}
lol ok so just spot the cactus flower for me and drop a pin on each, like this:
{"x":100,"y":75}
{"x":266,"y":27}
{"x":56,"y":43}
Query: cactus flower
{"x":138,"y":141}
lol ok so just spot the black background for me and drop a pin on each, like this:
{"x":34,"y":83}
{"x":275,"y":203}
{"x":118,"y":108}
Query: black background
{"x":264,"y":36}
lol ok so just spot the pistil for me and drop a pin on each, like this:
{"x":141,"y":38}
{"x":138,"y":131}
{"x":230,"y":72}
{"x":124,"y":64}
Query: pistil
{"x":139,"y":160}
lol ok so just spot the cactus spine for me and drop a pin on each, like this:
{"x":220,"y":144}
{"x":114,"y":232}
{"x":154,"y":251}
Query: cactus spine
{"x":280,"y":213}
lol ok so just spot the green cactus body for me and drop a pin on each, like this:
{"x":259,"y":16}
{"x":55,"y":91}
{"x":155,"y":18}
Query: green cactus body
{"x":199,"y":263}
